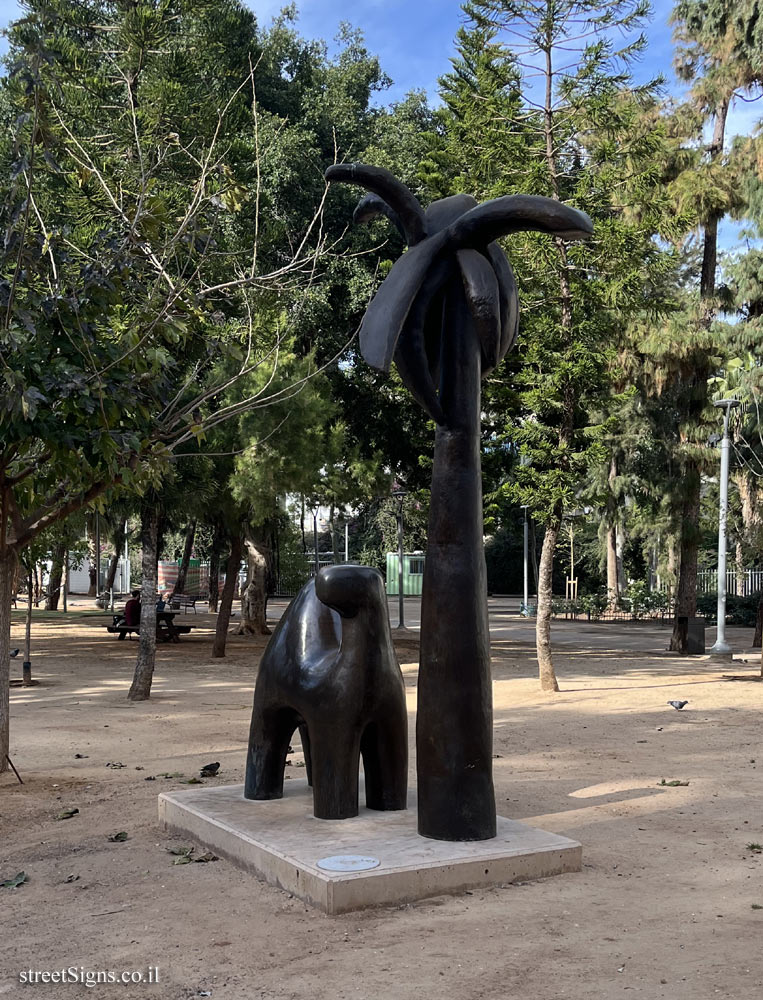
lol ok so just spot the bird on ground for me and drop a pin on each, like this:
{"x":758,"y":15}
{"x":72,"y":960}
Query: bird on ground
{"x":210,"y":770}
{"x":678,"y":705}
{"x":14,"y":652}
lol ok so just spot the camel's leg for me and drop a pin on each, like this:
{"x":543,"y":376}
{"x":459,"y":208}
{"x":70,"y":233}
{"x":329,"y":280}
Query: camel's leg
{"x":384,"y":746}
{"x":335,"y":759}
{"x":269,"y":737}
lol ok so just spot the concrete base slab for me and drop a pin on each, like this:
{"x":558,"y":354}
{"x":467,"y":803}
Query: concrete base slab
{"x":282,"y":842}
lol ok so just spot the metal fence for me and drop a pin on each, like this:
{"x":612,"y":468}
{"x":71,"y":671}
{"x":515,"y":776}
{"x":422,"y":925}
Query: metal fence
{"x":593,"y":610}
{"x":742,"y":583}
{"x":289,"y":584}
{"x":572,"y":610}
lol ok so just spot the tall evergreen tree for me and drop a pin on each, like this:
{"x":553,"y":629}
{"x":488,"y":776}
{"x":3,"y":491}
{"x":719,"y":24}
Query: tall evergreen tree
{"x":576,"y":124}
{"x":718,"y":55}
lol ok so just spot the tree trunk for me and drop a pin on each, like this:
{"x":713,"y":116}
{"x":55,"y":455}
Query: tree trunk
{"x":26,"y":666}
{"x":748,"y":493}
{"x":226,"y":599}
{"x":302,"y":524}
{"x":619,"y":557}
{"x":686,"y":594}
{"x":739,"y":579}
{"x":454,"y":724}
{"x":546,"y":672}
{"x":710,"y":244}
{"x":144,"y":667}
{"x":111,"y":572}
{"x":56,"y":574}
{"x":674,"y":563}
{"x":214,"y":571}
{"x":190,"y":535}
{"x":254,"y":596}
{"x":534,"y":554}
{"x":118,"y":541}
{"x":332,"y":528}
{"x":92,"y":573}
{"x":613,"y":589}
{"x":613,"y":577}
{"x":8,"y":578}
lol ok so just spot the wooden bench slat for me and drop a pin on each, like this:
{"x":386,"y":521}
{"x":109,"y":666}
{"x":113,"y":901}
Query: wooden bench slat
{"x":184,"y":601}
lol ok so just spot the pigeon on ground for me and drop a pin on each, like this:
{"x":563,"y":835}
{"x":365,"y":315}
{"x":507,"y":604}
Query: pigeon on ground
{"x":210,"y":770}
{"x":14,"y":652}
{"x":678,"y":705}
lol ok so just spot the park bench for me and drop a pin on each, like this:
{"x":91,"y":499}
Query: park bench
{"x":184,"y":601}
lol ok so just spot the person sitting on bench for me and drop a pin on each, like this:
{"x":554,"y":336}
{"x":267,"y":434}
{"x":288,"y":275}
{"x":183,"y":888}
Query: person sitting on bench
{"x":132,"y":609}
{"x":130,"y":617}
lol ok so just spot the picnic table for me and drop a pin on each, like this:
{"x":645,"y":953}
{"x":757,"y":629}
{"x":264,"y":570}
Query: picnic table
{"x":166,"y":629}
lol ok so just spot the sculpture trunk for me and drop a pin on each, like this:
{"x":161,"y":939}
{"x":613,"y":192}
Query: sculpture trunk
{"x":454,"y":726}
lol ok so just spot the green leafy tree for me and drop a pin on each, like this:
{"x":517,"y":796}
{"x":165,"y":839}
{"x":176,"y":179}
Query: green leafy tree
{"x":576,"y":122}
{"x":481,"y":129}
{"x":377,"y":527}
{"x":346,"y":479}
{"x":718,"y":56}
{"x":152,"y":234}
{"x":182,"y":490}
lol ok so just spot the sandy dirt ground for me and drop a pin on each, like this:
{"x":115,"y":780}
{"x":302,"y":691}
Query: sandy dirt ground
{"x":669,"y":902}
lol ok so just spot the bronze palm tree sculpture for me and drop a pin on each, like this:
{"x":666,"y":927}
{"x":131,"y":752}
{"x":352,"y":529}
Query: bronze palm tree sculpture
{"x":447,"y":313}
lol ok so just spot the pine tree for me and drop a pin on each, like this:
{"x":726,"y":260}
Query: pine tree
{"x":578,"y":133}
{"x":481,"y":130}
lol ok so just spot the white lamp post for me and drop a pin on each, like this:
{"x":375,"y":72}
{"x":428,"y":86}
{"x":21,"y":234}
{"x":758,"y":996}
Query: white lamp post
{"x":316,"y":559}
{"x":721,"y":646}
{"x":400,"y":495}
{"x":524,"y":568}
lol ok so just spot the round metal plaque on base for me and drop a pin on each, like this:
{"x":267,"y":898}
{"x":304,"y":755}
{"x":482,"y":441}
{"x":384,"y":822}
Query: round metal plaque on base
{"x":348,"y":863}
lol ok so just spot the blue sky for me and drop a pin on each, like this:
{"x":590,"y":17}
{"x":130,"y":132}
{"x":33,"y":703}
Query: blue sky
{"x":414,"y":40}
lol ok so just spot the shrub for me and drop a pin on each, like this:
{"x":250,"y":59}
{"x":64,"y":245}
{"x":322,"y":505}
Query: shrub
{"x":740,"y":611}
{"x":594,"y":604}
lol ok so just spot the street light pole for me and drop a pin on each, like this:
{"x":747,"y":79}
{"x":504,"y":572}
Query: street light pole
{"x":400,"y":494}
{"x":526,"y":547}
{"x":721,"y":646}
{"x":315,"y":540}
